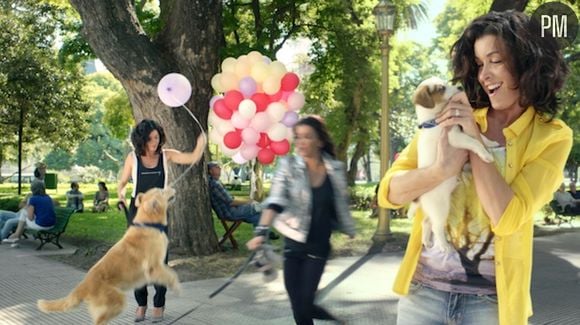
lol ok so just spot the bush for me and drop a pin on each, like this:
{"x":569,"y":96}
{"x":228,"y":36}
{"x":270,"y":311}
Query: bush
{"x":9,"y":203}
{"x":361,"y":196}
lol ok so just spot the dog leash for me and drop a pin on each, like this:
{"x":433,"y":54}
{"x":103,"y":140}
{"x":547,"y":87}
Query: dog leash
{"x":233,"y":277}
{"x":373,"y":250}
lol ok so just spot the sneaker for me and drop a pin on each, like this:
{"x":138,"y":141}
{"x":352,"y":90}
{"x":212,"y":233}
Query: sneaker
{"x":10,"y":240}
{"x":15,"y":245}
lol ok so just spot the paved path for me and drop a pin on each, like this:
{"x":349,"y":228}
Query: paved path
{"x":364,"y":298}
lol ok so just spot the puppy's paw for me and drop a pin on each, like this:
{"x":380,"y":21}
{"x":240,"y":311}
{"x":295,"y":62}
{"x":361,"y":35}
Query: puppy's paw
{"x":443,"y":247}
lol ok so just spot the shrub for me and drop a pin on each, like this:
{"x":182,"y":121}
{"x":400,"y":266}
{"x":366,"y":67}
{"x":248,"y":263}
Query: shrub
{"x":9,"y":203}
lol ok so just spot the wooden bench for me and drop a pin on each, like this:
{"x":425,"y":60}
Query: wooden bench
{"x":230,"y":226}
{"x":52,"y":235}
{"x":562,"y":215}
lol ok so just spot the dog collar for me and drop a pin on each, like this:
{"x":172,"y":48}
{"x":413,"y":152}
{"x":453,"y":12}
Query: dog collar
{"x":158,"y":226}
{"x":428,"y":124}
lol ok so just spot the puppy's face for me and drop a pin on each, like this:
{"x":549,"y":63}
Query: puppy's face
{"x":433,"y":93}
{"x":152,"y":205}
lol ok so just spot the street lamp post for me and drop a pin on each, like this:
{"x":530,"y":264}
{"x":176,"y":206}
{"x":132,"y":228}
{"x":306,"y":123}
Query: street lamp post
{"x":385,"y":16}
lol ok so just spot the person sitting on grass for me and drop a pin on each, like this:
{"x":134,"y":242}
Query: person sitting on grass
{"x":74,"y":198}
{"x":38,"y":214}
{"x":101,"y":202}
{"x":224,"y":204}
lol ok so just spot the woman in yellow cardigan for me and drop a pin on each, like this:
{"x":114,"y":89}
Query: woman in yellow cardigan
{"x":510,"y":76}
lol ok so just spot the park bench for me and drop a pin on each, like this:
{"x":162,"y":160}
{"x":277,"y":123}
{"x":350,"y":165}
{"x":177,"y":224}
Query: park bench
{"x":562,"y":215}
{"x":52,"y":235}
{"x":230,"y":226}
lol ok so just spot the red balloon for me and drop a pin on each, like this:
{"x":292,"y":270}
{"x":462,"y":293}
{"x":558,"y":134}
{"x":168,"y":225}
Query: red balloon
{"x":233,"y":140}
{"x":232,"y":99}
{"x":265,"y":156}
{"x":280,"y":147}
{"x":276,"y":97}
{"x":264,"y":140}
{"x":290,"y":81}
{"x":262,"y":101}
{"x":220,"y":109}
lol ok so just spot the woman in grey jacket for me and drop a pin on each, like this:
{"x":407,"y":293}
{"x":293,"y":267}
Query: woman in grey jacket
{"x":308,"y":199}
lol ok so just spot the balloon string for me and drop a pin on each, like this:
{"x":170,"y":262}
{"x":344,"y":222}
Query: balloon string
{"x":204,"y":136}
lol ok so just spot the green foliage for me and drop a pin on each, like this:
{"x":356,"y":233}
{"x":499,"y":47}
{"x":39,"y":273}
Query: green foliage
{"x":33,"y":85}
{"x":9,"y":203}
{"x":118,"y":115}
{"x":58,"y":159}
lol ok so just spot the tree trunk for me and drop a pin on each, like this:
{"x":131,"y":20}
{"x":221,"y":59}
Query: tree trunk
{"x":503,"y":5}
{"x":257,"y":182}
{"x":188,"y":43}
{"x":359,"y":152}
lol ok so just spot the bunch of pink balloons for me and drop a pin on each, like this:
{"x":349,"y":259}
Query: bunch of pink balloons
{"x":258,"y":104}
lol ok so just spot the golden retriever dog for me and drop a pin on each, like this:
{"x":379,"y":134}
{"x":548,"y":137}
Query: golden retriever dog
{"x":430,"y":98}
{"x":134,"y":261}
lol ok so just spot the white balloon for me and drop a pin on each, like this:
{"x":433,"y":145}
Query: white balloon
{"x":215,"y":136}
{"x":276,"y":111}
{"x":224,"y":127}
{"x":277,"y":68}
{"x":277,"y":132}
{"x":249,"y":152}
{"x":296,"y":101}
{"x":247,"y":108}
{"x":227,"y":151}
{"x":238,"y":159}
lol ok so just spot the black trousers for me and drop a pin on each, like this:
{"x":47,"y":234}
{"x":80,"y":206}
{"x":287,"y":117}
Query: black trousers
{"x":141,"y":294}
{"x":302,"y":275}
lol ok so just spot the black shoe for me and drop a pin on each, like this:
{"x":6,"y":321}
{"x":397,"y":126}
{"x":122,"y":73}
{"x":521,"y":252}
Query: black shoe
{"x":273,"y":236}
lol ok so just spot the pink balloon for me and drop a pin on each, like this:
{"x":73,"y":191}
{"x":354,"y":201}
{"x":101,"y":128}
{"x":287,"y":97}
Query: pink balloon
{"x":214,"y":99}
{"x":262,"y":101}
{"x":174,"y":90}
{"x":247,"y":86}
{"x":295,"y":101}
{"x":221,"y":110}
{"x":290,"y":81}
{"x":276,"y":97}
{"x":266,"y":156}
{"x":280,"y":147}
{"x":232,"y":139}
{"x":264,"y":140}
{"x":249,"y":152}
{"x":290,"y":118}
{"x":250,"y":136}
{"x":261,"y":121}
{"x":238,"y":121}
{"x":232,"y":99}
{"x":238,"y":159}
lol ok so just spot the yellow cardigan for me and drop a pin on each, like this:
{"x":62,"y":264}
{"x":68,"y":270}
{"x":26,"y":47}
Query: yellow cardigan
{"x":536,"y":152}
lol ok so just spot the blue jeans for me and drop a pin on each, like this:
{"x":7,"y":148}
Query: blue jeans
{"x":8,"y":222}
{"x":246,"y":213}
{"x":427,"y":306}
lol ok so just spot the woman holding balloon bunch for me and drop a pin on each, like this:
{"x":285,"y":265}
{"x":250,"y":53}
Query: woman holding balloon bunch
{"x":308,"y":199}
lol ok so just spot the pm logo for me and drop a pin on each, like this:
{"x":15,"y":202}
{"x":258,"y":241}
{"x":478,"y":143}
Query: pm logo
{"x":556,"y":20}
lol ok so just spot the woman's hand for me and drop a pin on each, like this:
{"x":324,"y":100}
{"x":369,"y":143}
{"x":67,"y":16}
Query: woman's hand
{"x":459,"y":112}
{"x":255,"y":243}
{"x":450,"y":160}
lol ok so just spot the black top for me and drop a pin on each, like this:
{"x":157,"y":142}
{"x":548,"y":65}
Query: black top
{"x":147,"y":178}
{"x":323,"y":216}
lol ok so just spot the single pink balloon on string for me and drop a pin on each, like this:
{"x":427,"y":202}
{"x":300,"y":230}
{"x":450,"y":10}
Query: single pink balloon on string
{"x":174,"y":90}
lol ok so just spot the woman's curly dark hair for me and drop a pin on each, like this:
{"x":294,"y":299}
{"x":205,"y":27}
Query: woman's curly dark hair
{"x":536,"y":62}
{"x":321,"y":132}
{"x":140,"y":136}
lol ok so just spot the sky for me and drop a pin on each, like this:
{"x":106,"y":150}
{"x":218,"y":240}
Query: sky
{"x":424,"y":33}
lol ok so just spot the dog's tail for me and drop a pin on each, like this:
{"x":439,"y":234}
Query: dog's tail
{"x":71,"y":301}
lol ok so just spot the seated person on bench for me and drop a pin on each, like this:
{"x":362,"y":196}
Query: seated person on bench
{"x":224,"y":204}
{"x":568,"y":203}
{"x":38,"y":213}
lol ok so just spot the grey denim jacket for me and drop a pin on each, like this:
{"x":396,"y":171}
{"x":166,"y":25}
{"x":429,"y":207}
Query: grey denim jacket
{"x":291,"y":189}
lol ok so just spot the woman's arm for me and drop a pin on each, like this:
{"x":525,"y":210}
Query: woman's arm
{"x":265,"y":221}
{"x":186,"y":158}
{"x":30,"y":212}
{"x":124,"y":179}
{"x":408,"y":184}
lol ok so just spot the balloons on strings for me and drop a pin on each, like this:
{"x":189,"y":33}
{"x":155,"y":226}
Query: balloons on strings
{"x":174,"y":90}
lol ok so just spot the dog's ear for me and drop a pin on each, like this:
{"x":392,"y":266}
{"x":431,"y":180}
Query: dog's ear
{"x":138,"y":199}
{"x":423,"y":97}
